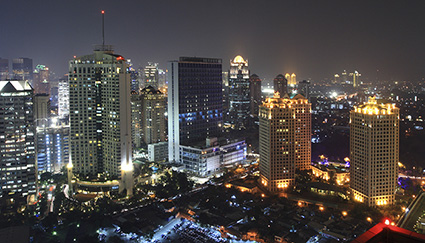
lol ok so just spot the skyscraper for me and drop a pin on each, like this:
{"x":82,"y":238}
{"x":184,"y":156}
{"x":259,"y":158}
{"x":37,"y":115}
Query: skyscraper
{"x":151,"y":75}
{"x":63,"y":98}
{"x":374,"y":152}
{"x":194,"y":101}
{"x":304,"y":89}
{"x":285,"y":140}
{"x":4,"y":69}
{"x":280,"y":85}
{"x":254,"y":94}
{"x":22,"y":69}
{"x":41,"y":82}
{"x":17,"y":130}
{"x":136,"y":120}
{"x":100,"y":113}
{"x":239,"y":109}
{"x":153,"y":115}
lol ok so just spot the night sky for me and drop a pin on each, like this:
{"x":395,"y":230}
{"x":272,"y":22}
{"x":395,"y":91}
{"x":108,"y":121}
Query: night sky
{"x":314,"y":39}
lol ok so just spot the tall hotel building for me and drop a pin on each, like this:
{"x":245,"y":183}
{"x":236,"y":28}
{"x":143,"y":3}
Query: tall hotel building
{"x":239,"y":92}
{"x":153,"y":115}
{"x":17,"y":137}
{"x":100,"y":113}
{"x":285,"y":140}
{"x":374,"y":152}
{"x":194,"y":101}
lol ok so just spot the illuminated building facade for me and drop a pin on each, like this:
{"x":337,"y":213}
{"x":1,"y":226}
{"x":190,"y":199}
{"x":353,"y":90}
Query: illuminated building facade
{"x":52,"y":148}
{"x":239,"y":98}
{"x":22,"y":69}
{"x":194,"y":101}
{"x":374,"y":152}
{"x":136,"y":120}
{"x":153,"y":115}
{"x":40,"y":81}
{"x":254,"y":94}
{"x":100,"y":114}
{"x":4,"y":69}
{"x":63,"y":98}
{"x":206,"y":159}
{"x":17,"y":137}
{"x":292,"y":79}
{"x":280,"y":84}
{"x":285,"y":140}
{"x":151,"y":75}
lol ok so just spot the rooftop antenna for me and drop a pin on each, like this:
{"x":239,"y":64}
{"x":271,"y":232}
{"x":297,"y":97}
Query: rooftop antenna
{"x":103,"y":28}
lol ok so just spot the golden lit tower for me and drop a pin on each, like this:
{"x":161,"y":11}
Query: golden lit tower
{"x":374,"y":152}
{"x":285,"y":140}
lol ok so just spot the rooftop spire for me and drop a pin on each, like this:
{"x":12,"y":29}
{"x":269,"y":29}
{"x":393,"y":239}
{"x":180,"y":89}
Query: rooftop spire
{"x":103,"y":27}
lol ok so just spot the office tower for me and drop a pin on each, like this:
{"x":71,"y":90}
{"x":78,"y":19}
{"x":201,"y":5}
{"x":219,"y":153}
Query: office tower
{"x":41,"y":109}
{"x":255,"y":94}
{"x":136,"y":120}
{"x":40,"y":81}
{"x":304,"y":89}
{"x":4,"y":69}
{"x":285,"y":140}
{"x":225,"y":89}
{"x":194,"y":101}
{"x":100,"y":114}
{"x":162,"y":78}
{"x":63,"y":98}
{"x":153,"y":115}
{"x":134,"y":77}
{"x":344,"y":77}
{"x":239,"y":92}
{"x":374,"y":152}
{"x":22,"y":69}
{"x":280,"y":84}
{"x":17,"y":148}
{"x":52,"y":147}
{"x":151,"y":75}
{"x":356,"y":78}
{"x":292,"y":79}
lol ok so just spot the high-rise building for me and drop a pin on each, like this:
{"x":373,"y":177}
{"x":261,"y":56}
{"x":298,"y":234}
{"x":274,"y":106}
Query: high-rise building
{"x":41,"y":108}
{"x":153,"y":115}
{"x":374,"y":152}
{"x":134,"y":77}
{"x":136,"y":120}
{"x":239,"y":109}
{"x":280,"y":84}
{"x":100,"y":114}
{"x":356,"y":78}
{"x":22,"y":69}
{"x":292,"y":79}
{"x":40,"y":81}
{"x":63,"y":98}
{"x":304,"y":89}
{"x":254,"y":94}
{"x":285,"y":140}
{"x":194,"y":101}
{"x":17,"y":131}
{"x":4,"y":69}
{"x":151,"y":75}
{"x":52,"y":147}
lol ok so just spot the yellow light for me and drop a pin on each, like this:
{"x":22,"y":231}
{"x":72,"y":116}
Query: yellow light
{"x":344,"y":213}
{"x":369,"y":219}
{"x":321,"y":208}
{"x":69,"y":166}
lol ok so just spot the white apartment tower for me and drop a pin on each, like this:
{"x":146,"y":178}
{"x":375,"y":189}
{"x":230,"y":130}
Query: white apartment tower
{"x":374,"y":152}
{"x":285,"y":140}
{"x":100,"y":114}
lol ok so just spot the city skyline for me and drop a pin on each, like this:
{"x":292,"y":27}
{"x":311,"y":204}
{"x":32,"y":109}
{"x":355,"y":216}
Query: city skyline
{"x":313,"y":40}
